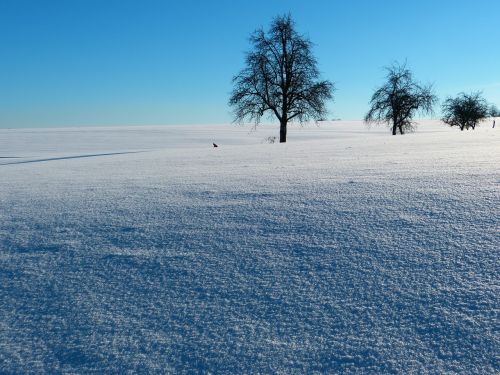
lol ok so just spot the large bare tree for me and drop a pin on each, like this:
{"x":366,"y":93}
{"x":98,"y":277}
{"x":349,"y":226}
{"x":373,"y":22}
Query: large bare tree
{"x":280,"y":78}
{"x":398,"y":101}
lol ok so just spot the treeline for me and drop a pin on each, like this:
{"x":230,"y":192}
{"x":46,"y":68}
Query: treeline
{"x":281,"y":78}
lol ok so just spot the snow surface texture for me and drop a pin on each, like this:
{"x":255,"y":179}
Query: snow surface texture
{"x":345,"y":250}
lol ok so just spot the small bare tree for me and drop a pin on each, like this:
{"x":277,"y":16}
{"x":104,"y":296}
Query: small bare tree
{"x":399,"y":100}
{"x":494,"y":111}
{"x":280,"y":78}
{"x":465,"y":110}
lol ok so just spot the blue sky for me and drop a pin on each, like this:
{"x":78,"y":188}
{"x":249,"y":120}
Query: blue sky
{"x":123,"y":62}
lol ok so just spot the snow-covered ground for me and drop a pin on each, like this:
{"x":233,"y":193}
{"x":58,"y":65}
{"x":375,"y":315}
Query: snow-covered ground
{"x":347,"y":249}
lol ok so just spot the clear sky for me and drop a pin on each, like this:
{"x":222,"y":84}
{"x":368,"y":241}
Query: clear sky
{"x":133,"y":62}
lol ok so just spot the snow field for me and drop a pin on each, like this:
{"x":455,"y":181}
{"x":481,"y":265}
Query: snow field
{"x":344,"y":250}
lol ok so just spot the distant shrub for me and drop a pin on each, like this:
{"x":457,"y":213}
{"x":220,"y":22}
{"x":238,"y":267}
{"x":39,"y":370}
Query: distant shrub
{"x":494,"y":111}
{"x":465,"y":110}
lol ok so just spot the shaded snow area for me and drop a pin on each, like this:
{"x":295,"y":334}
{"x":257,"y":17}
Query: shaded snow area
{"x":345,"y":250}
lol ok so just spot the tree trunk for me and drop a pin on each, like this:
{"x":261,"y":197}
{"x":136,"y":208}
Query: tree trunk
{"x":283,"y":131}
{"x":394,"y":124}
{"x":400,"y":129}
